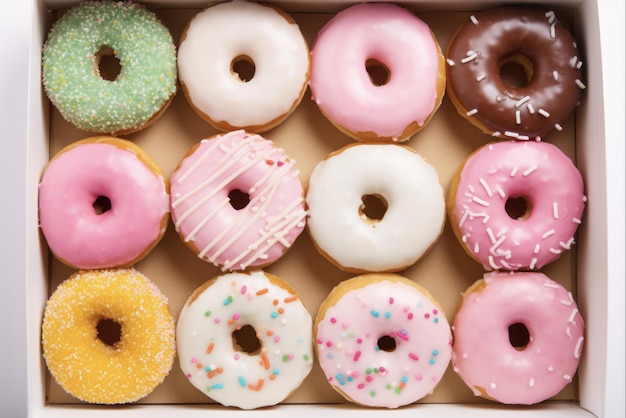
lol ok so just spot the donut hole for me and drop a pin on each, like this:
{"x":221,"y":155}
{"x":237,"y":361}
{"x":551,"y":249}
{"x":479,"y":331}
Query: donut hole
{"x":373,"y":208}
{"x":519,"y":337}
{"x":107,"y":65}
{"x":379,"y":73}
{"x":101,"y":205}
{"x":246,"y":340}
{"x":238,"y":199}
{"x":109,"y":331}
{"x":386,"y":343}
{"x":242,"y":68}
{"x":516,"y":70}
{"x":517,"y":208}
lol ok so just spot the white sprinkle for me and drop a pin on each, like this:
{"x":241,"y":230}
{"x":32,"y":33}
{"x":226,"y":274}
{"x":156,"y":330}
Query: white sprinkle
{"x":555,"y":74}
{"x":474,"y":20}
{"x":485,"y":186}
{"x":491,"y":236}
{"x":450,"y":62}
{"x":531,"y":109}
{"x":551,"y":285}
{"x":463,"y":218}
{"x":471,"y":55}
{"x":555,"y":251}
{"x":550,"y":15}
{"x":518,"y":118}
{"x":538,"y":138}
{"x":492,"y":263}
{"x":558,"y":127}
{"x":568,"y":332}
{"x":529,"y":170}
{"x":550,"y":368}
{"x":531,"y":383}
{"x":480,"y":201}
{"x":464,"y":355}
{"x":584,"y":198}
{"x":485,"y":219}
{"x":537,"y":248}
{"x":471,"y":112}
{"x":572,"y":61}
{"x":501,"y":192}
{"x":481,"y":77}
{"x":496,"y":133}
{"x":533,"y":262}
{"x":579,"y":346}
{"x":511,"y":134}
{"x":576,"y":221}
{"x":522,"y":101}
{"x":567,"y":245}
{"x":567,"y":377}
{"x":566,"y":302}
{"x":555,"y":210}
{"x":476,"y":248}
{"x":523,"y":137}
{"x":553,"y":30}
{"x":543,"y":113}
{"x":580,"y":84}
{"x":572,"y":315}
{"x":514,"y":171}
{"x":579,"y":65}
{"x":547,"y":234}
{"x":493,"y":385}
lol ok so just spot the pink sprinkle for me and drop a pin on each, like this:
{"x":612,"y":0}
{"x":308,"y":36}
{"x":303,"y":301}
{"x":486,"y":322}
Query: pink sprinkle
{"x":413,"y":356}
{"x":426,"y":315}
{"x":359,"y":340}
{"x":405,"y":309}
{"x":369,"y":378}
{"x":188,"y":375}
{"x":391,"y":301}
{"x":243,"y":289}
{"x":333,"y":320}
{"x":410,"y":315}
{"x":236,"y":316}
{"x":435,"y":311}
{"x":319,"y":341}
{"x":329,"y":344}
{"x":276,"y":339}
{"x":290,"y":356}
{"x":418,"y":377}
{"x":194,"y":360}
{"x":357,"y":355}
{"x":236,"y":356}
{"x":344,"y":325}
{"x":434,"y":378}
{"x":403,"y":336}
{"x":279,"y":163}
{"x":250,"y":296}
{"x":382,"y":369}
{"x":361,"y":385}
{"x":217,"y":320}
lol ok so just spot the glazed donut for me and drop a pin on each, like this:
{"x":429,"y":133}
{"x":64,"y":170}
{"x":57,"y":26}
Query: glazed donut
{"x":237,"y":201}
{"x":103,"y":367}
{"x":516,"y":205}
{"x":377,"y":72}
{"x":518,"y":337}
{"x":382,"y":340}
{"x":243,"y":65}
{"x":72,"y":55}
{"x":526,"y":37}
{"x":103,"y":203}
{"x":374,"y":207}
{"x":244,"y":339}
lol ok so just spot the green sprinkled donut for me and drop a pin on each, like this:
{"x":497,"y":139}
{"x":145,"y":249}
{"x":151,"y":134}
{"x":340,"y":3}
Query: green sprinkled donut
{"x":146,"y":82}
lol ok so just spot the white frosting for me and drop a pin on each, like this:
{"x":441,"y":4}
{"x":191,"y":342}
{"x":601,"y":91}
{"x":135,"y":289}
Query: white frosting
{"x":221,"y":33}
{"x":205,"y":344}
{"x":415,"y":207}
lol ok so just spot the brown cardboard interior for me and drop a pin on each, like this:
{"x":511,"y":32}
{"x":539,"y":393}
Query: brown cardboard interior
{"x":446,"y":271}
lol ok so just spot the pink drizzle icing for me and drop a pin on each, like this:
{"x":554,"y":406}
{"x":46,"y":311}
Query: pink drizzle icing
{"x":486,"y":360}
{"x":255,"y":235}
{"x":537,"y":172}
{"x":341,"y":86}
{"x":75,"y":232}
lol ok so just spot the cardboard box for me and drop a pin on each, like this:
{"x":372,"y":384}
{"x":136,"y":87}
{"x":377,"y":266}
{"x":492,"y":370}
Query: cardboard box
{"x":592,"y":267}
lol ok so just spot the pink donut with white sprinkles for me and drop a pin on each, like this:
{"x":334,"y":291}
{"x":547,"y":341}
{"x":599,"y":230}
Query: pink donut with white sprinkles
{"x":516,"y":205}
{"x":382,"y":340}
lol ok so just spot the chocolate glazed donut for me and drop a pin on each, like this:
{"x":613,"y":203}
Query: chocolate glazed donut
{"x":529,"y":38}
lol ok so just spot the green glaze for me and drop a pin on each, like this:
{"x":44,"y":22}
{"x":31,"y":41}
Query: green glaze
{"x":144,"y":48}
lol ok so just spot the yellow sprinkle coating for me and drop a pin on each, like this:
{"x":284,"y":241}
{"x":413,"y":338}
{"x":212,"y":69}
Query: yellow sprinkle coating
{"x":88,"y":368}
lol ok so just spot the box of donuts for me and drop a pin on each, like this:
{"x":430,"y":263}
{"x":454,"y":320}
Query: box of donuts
{"x":336,"y":207}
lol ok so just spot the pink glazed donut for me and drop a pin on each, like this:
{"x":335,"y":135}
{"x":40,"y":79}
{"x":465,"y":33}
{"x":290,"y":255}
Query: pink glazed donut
{"x":237,"y":201}
{"x":516,"y":205}
{"x":518,"y":337}
{"x":103,"y":203}
{"x":377,"y":72}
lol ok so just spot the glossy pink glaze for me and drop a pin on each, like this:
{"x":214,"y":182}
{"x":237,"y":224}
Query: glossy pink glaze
{"x":255,"y":235}
{"x":341,"y":86}
{"x":75,"y":232}
{"x":488,"y":363}
{"x":539,"y":173}
{"x":347,"y":343}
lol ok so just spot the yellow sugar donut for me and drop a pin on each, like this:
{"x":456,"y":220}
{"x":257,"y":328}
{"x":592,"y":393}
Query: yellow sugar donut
{"x":129,"y":362}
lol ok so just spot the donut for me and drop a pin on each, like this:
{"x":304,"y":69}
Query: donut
{"x":243,"y":65}
{"x":237,"y":201}
{"x":483,"y":60}
{"x":516,"y":204}
{"x":374,"y":207}
{"x":377,"y":72}
{"x":382,"y":340}
{"x":518,"y":337}
{"x":118,"y":102}
{"x":245,"y":339}
{"x":108,"y":336}
{"x":103,"y":203}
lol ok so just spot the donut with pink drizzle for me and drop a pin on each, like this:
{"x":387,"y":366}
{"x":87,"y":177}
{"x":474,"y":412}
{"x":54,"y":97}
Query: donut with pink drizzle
{"x":103,"y":203}
{"x":377,"y":72}
{"x":244,"y":339}
{"x":237,"y":201}
{"x":518,"y":337}
{"x":516,"y":205}
{"x":382,"y":340}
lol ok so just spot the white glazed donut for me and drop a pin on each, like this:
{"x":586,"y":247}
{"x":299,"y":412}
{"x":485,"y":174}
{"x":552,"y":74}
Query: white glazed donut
{"x":259,"y":36}
{"x":348,"y":181}
{"x":238,"y":370}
